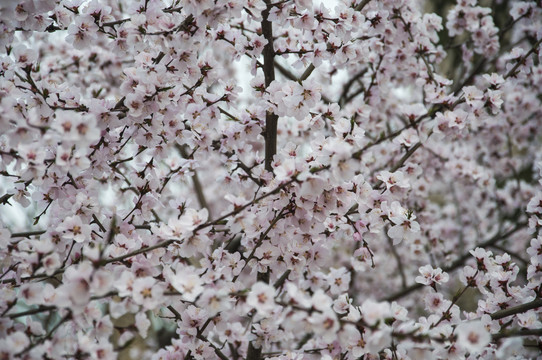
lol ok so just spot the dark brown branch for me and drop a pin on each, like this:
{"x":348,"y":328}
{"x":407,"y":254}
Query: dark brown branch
{"x":289,"y":75}
{"x":271,"y":119}
{"x":468,"y":80}
{"x":166,"y":243}
{"x":536,"y":303}
{"x":199,"y":334}
{"x":361,"y":5}
{"x":282,"y":279}
{"x":511,"y":253}
{"x":399,"y":262}
{"x":218,"y":352}
{"x":394,"y":168}
{"x":262,"y":238}
{"x":307,"y":73}
{"x":458,"y":262}
{"x":27,"y":234}
{"x":522,"y":59}
{"x":34,"y":311}
{"x":348,"y":85}
{"x":137,"y":252}
{"x":401,"y":162}
{"x":197,"y":184}
{"x":522,"y":332}
{"x":46,"y":337}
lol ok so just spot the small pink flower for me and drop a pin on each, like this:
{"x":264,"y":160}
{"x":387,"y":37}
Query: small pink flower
{"x":147,"y":292}
{"x":432,"y":276}
{"x":261,"y":297}
{"x":73,"y":228}
{"x":473,"y":336}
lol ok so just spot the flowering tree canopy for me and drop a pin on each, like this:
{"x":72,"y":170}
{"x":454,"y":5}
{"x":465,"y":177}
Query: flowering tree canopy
{"x":259,"y":179}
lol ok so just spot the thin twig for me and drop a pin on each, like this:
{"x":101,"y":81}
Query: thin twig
{"x":197,"y":184}
{"x":399,"y":262}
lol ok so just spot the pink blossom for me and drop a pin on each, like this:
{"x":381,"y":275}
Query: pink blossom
{"x":261,"y":297}
{"x":432,"y":277}
{"x":472,"y":336}
{"x":147,"y":293}
{"x":374,"y":312}
{"x":24,"y":56}
{"x":81,"y":32}
{"x":392,"y":180}
{"x":186,"y":281}
{"x":73,"y":228}
{"x":145,"y":190}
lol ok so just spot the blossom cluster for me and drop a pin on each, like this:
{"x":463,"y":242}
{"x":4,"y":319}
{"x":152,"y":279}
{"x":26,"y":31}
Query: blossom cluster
{"x":249,"y":179}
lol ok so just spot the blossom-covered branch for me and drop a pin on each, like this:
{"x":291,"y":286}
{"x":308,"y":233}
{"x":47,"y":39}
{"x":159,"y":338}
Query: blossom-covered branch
{"x":258,"y":179}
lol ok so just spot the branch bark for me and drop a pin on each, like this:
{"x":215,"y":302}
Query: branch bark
{"x":536,"y":303}
{"x":457,"y":263}
{"x":197,"y":184}
{"x":361,"y":5}
{"x":271,"y":119}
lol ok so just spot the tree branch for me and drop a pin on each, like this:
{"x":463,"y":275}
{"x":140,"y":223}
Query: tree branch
{"x":458,"y":262}
{"x":536,"y":303}
{"x":197,"y":184}
{"x":361,"y":5}
{"x":522,"y":332}
{"x":271,"y":119}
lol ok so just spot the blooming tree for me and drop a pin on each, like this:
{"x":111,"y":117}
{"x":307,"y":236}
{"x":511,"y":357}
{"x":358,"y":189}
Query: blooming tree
{"x":290,"y":179}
